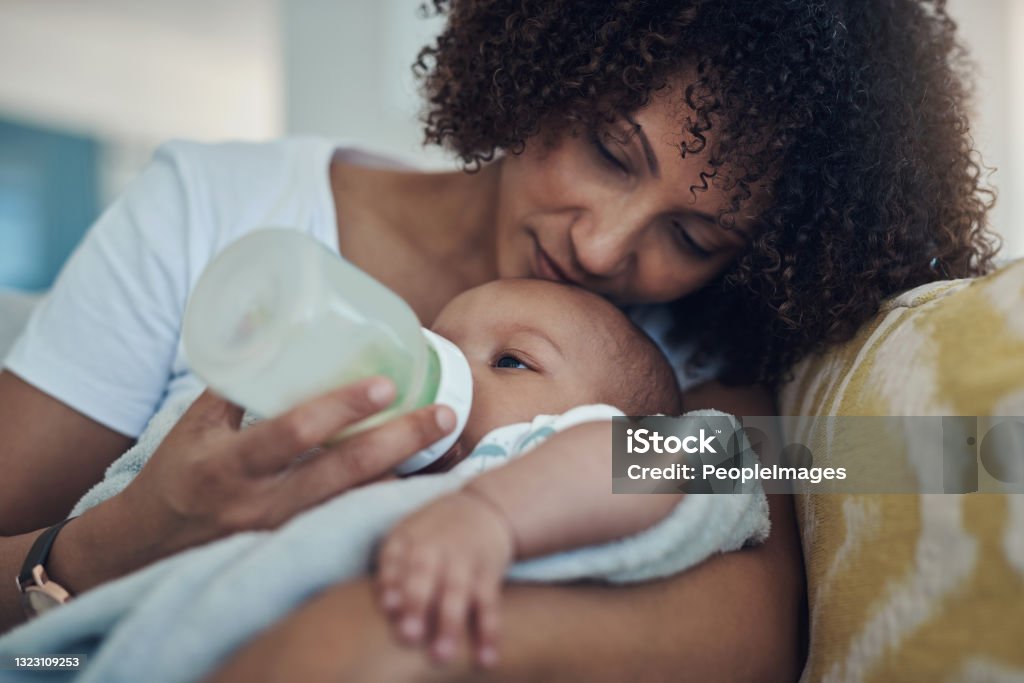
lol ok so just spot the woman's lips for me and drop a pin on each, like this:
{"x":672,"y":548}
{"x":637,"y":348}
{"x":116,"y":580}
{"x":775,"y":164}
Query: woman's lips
{"x":547,"y":268}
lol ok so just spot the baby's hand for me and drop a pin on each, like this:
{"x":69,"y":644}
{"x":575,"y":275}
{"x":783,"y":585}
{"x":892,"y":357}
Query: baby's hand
{"x":440,"y":571}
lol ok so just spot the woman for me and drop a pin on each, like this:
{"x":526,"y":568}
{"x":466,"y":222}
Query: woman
{"x":769,"y":172}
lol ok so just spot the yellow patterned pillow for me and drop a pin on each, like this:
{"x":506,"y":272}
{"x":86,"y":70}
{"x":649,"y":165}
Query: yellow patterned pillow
{"x":926,"y":587}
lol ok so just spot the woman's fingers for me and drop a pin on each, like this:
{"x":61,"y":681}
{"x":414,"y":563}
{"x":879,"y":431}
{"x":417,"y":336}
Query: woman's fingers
{"x":271,"y":445}
{"x":366,"y":455}
{"x":399,"y":438}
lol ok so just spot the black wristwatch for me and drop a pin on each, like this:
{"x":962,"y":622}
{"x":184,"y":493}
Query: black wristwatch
{"x":38,"y":592}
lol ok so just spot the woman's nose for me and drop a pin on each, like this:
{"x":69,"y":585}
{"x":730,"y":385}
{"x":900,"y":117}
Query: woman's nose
{"x":603,"y":248}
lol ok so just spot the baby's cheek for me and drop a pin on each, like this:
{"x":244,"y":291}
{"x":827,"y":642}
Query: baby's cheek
{"x":505,"y":400}
{"x":482,"y":419}
{"x":496,"y":405}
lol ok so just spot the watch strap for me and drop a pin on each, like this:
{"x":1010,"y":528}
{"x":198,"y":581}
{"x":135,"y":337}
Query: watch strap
{"x":39,"y":553}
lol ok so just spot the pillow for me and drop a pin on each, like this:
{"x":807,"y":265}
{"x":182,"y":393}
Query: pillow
{"x":908,"y":587}
{"x":15,"y":309}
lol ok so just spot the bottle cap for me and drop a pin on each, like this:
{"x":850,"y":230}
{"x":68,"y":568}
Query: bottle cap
{"x":454,"y":389}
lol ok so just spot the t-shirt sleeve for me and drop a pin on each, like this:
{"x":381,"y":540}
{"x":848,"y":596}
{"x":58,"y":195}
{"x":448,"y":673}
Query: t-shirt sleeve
{"x":103,"y":340}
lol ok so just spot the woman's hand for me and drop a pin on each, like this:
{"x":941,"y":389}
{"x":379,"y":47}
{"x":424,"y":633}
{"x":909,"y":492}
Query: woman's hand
{"x":439,"y":575}
{"x":208,"y":479}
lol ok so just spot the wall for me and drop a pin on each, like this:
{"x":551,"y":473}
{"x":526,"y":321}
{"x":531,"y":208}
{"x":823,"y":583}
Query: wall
{"x":133,"y":73}
{"x":347,"y":73}
{"x":987,"y":28}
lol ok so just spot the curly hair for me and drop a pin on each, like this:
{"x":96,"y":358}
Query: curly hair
{"x":851,"y":114}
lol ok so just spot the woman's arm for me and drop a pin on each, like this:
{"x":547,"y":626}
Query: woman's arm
{"x":105,"y":340}
{"x":732,"y":618}
{"x":39,"y":436}
{"x":208,"y":479}
{"x":736,"y":617}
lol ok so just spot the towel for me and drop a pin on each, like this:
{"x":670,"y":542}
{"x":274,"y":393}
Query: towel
{"x":176,"y":620}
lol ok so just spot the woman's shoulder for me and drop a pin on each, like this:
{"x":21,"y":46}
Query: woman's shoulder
{"x":229,"y":188}
{"x":240,"y":161}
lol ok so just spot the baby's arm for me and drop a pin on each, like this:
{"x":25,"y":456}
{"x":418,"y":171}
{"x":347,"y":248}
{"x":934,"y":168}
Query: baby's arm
{"x":559,"y":495}
{"x":446,"y":562}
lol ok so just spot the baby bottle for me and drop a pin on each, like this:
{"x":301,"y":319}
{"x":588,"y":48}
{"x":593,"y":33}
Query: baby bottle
{"x":277,"y":318}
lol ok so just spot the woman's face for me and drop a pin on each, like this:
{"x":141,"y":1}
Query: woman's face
{"x":613,"y":212}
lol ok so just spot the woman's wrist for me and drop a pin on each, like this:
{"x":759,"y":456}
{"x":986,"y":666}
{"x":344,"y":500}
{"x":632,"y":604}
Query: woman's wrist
{"x":13,"y":551}
{"x":98,"y":546}
{"x":104,"y":543}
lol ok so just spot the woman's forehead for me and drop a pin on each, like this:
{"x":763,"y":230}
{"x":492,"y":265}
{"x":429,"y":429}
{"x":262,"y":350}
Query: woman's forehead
{"x":686,"y":179}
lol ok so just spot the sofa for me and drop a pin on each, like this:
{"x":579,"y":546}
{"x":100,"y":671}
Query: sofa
{"x":927,"y":586}
{"x":901,"y":587}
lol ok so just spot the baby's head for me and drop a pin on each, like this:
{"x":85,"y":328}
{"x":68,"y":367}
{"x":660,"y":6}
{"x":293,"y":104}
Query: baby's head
{"x":538,"y":347}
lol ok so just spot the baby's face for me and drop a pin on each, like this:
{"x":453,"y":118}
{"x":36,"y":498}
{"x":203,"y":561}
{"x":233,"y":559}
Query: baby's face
{"x":534,"y":347}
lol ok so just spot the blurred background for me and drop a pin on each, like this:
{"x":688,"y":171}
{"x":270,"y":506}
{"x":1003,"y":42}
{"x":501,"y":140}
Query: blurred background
{"x":89,"y":89}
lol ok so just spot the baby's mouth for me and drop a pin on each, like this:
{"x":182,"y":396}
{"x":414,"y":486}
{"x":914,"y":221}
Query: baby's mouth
{"x":449,"y":459}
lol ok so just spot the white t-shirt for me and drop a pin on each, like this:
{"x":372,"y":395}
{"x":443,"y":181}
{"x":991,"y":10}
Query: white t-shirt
{"x":106,"y":340}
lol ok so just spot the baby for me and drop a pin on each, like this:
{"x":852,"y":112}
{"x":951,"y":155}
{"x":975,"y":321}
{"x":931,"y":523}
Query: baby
{"x":534,"y":347}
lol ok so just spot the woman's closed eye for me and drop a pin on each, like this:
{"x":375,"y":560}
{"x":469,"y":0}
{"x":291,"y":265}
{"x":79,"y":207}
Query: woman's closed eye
{"x":606,"y":155}
{"x":682,"y":237}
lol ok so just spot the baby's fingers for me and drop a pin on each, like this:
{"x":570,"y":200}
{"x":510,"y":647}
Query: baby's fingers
{"x":390,"y":570}
{"x":487,"y":623}
{"x":452,"y":613}
{"x":418,"y":590}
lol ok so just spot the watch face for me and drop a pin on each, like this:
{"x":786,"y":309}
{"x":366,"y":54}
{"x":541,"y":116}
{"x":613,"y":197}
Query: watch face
{"x":36,"y":601}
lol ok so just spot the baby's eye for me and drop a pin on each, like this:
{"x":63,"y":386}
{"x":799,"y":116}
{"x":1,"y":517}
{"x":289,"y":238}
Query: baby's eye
{"x":510,"y":361}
